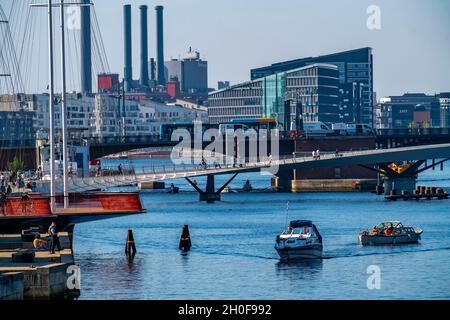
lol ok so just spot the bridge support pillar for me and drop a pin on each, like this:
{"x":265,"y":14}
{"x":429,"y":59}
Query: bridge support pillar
{"x":210,"y":195}
{"x":399,"y":184}
{"x":283,"y":180}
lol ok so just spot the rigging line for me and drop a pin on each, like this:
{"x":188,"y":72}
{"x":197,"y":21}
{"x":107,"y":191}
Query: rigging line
{"x":102,"y":50}
{"x":15,"y":62}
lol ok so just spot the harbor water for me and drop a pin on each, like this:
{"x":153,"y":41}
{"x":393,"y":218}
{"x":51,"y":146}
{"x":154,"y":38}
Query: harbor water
{"x":233,"y":254}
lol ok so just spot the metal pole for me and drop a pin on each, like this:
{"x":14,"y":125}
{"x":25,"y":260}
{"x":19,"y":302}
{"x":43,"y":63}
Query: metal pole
{"x":64,"y":110}
{"x":51,"y":108}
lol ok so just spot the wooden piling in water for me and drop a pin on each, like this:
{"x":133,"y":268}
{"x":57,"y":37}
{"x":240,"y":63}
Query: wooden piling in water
{"x":130,"y":248}
{"x":185,"y":240}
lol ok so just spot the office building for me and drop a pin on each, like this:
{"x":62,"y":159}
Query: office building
{"x":191,"y":72}
{"x":411,"y":110}
{"x":355,"y":80}
{"x":315,"y":87}
{"x":444,"y":102}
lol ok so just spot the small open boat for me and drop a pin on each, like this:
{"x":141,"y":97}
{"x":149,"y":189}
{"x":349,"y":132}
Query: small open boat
{"x":301,"y":240}
{"x":391,"y":232}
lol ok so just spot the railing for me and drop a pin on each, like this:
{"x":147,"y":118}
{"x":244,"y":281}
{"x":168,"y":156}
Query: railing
{"x":414,"y":132}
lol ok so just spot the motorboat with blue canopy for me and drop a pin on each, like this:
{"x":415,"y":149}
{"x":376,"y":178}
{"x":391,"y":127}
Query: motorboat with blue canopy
{"x":301,"y":240}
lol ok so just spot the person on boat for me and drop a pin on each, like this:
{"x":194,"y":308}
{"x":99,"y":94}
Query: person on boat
{"x":289,"y":230}
{"x":39,"y":244}
{"x":8,"y":189}
{"x":54,"y":242}
{"x":375,"y":231}
{"x":99,"y":170}
{"x":389,"y":230}
{"x":305,"y":230}
{"x":318,"y":154}
{"x":119,"y":168}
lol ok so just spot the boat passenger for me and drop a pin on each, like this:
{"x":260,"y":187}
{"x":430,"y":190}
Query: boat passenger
{"x":305,"y":230}
{"x":375,"y":230}
{"x":389,"y":231}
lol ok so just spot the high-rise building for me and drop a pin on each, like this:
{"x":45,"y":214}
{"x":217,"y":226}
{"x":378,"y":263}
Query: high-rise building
{"x":315,"y":87}
{"x":191,"y":72}
{"x":355,"y":80}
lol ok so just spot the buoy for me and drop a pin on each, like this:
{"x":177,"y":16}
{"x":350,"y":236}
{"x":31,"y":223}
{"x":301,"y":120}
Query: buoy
{"x":130,"y":248}
{"x":185,"y":240}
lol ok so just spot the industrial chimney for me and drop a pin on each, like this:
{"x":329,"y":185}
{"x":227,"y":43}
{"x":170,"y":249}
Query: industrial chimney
{"x":144,"y":47}
{"x":160,"y":45}
{"x":128,"y":69}
{"x":85,"y":46}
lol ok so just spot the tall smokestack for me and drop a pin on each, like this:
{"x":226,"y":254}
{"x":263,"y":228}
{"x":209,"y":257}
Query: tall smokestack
{"x":85,"y":46}
{"x":160,"y":45}
{"x":128,"y":68}
{"x":152,"y":69}
{"x":144,"y":47}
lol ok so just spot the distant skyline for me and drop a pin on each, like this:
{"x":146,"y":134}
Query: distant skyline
{"x":411,"y":51}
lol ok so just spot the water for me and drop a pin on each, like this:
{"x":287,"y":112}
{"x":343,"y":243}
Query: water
{"x":233,"y":255}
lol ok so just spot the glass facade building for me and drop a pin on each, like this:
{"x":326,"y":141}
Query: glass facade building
{"x":314,"y":86}
{"x":355,"y":81}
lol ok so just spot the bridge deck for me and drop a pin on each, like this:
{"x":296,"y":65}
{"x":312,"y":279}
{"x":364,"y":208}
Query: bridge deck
{"x":368,"y":157}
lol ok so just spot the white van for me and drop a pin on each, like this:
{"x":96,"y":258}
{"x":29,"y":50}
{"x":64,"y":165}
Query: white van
{"x":317,"y":128}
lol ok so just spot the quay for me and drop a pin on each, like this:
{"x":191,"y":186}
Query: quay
{"x":27,"y":274}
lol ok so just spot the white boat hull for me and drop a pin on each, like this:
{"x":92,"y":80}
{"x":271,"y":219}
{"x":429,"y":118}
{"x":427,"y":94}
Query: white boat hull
{"x":313,"y":251}
{"x":366,"y":240}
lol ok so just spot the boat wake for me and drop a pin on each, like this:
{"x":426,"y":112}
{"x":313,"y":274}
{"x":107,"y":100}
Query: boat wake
{"x":330,"y":255}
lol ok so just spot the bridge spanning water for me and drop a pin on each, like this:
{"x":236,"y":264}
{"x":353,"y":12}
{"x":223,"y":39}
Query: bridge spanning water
{"x":369,"y":158}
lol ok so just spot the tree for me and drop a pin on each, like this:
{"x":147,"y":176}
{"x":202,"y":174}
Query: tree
{"x":15,"y":165}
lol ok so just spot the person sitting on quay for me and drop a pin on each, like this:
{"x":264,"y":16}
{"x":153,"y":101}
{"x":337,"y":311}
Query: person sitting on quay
{"x":39,"y":244}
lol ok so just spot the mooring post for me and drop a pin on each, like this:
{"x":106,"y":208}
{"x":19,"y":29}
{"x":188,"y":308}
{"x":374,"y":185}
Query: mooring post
{"x":185,"y":240}
{"x":130,"y":248}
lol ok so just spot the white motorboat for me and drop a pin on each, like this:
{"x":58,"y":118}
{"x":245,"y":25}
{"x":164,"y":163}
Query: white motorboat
{"x":301,"y":240}
{"x":391,"y":232}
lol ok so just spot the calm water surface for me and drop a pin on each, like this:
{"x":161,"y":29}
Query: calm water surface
{"x":233,"y":255}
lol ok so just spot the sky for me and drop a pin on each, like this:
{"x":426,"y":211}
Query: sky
{"x":411,"y":50}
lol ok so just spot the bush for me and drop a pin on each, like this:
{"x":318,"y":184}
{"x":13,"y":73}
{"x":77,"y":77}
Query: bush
{"x":15,"y":165}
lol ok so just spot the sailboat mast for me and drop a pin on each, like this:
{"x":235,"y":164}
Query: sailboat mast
{"x":51,"y":108}
{"x":65,"y":157}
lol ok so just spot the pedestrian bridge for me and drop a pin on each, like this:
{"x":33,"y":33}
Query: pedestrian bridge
{"x":330,"y":160}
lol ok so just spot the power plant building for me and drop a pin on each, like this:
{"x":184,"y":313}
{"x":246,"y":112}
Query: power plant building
{"x":315,"y":87}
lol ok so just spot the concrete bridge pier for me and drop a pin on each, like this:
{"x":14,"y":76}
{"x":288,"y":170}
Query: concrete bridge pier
{"x":282,"y":182}
{"x":399,"y":184}
{"x":210,"y":195}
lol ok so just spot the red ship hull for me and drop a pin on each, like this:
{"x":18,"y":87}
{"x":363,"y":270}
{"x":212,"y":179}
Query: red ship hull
{"x":20,"y":213}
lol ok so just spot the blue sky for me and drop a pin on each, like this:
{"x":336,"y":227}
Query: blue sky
{"x":411,"y":51}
